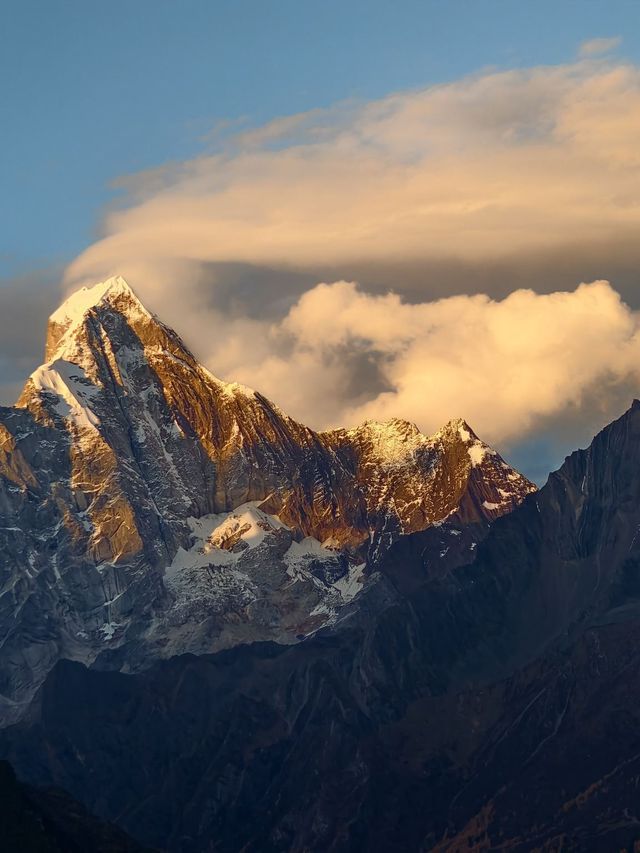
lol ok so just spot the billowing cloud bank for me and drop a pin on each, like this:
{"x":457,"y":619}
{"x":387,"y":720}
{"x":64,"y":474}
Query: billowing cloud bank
{"x":506,"y":366}
{"x":501,"y":171}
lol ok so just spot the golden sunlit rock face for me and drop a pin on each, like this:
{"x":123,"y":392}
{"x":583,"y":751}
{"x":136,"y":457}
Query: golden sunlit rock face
{"x":290,"y":295}
{"x":124,"y":456}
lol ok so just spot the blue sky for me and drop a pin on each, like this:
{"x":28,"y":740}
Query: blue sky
{"x":522,"y":182}
{"x":94,"y":90}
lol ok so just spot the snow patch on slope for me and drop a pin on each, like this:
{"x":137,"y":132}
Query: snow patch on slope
{"x":351,"y":584}
{"x":74,"y":391}
{"x":241,"y":559}
{"x":307,"y":547}
{"x":74,"y":309}
{"x":70,"y":316}
{"x":220,"y":538}
{"x":229,"y":389}
{"x":490,"y":505}
{"x":392,"y":443}
{"x":76,"y":306}
{"x":477,"y":450}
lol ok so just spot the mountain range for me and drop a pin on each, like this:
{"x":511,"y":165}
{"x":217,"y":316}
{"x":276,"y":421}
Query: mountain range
{"x":150,"y":509}
{"x":222,"y":630}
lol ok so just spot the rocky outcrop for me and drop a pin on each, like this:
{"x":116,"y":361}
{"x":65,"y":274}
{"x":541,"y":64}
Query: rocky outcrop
{"x":121,"y":443}
{"x":494,"y":705}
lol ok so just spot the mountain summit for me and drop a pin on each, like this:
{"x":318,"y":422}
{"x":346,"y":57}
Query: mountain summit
{"x":149,"y":508}
{"x":470,"y":667}
{"x":493,"y":706}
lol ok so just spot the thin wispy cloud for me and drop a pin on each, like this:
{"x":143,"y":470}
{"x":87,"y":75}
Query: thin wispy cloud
{"x":599,"y":46}
{"x":500,"y":163}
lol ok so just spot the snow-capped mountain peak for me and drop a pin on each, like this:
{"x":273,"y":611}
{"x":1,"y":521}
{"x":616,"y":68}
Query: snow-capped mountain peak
{"x":122,"y":441}
{"x":114,"y":292}
{"x":80,"y":301}
{"x":458,"y":430}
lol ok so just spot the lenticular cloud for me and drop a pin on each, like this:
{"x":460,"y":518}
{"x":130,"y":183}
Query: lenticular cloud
{"x":501,"y":165}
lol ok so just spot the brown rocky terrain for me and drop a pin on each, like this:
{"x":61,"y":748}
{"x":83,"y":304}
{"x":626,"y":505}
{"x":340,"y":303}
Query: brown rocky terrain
{"x":122,"y":459}
{"x":490,"y":706}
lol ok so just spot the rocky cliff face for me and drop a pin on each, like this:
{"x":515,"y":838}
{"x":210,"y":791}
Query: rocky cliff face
{"x":490,"y":706}
{"x":148,"y":509}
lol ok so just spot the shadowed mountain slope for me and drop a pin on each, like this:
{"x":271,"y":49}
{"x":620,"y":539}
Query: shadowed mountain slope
{"x":149,"y":509}
{"x":492,"y":705}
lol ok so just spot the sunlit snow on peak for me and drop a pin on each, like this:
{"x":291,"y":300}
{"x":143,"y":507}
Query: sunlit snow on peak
{"x":76,"y":306}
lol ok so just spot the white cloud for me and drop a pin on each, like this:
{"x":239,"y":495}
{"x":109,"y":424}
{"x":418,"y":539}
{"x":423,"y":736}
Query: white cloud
{"x":495,"y":164}
{"x":504,"y":365}
{"x":501,"y":165}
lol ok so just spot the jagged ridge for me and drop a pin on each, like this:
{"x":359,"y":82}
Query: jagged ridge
{"x":494,"y":708}
{"x":122,"y":438}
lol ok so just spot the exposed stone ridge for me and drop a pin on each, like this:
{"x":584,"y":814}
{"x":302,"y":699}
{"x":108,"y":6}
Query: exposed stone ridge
{"x":340,"y":485}
{"x":122,"y":436}
{"x":114,"y":292}
{"x":495,"y":707}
